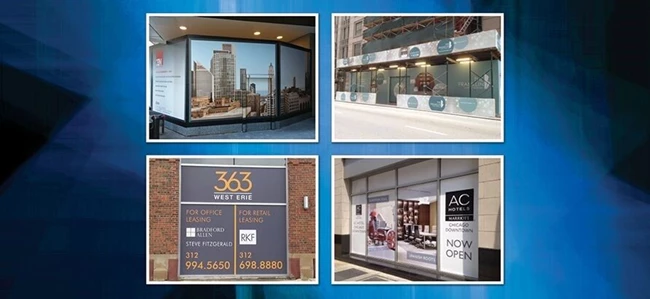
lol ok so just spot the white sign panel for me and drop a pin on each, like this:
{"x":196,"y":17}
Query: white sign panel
{"x":168,"y":70}
{"x":466,"y":43}
{"x":356,"y":97}
{"x":358,"y":236}
{"x":458,"y":245}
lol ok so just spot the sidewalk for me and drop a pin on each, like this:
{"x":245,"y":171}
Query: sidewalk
{"x":305,"y":129}
{"x":346,"y":272}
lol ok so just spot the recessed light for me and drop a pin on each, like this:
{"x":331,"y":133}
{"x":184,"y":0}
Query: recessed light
{"x":279,"y":36}
{"x":257,"y":33}
{"x":182,"y":28}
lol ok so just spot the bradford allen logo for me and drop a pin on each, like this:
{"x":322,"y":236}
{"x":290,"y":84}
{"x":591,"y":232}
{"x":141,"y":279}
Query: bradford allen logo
{"x":459,"y":205}
{"x":159,"y":58}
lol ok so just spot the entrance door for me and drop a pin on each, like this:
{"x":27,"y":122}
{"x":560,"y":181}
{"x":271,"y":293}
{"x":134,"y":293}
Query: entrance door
{"x":397,"y":85}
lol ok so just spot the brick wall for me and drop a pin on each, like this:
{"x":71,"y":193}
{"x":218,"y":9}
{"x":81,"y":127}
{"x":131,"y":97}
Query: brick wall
{"x":163,"y":206}
{"x":163,"y":218}
{"x":302,"y":223}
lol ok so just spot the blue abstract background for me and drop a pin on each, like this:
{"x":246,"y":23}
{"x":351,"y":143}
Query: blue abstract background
{"x":577,"y":150}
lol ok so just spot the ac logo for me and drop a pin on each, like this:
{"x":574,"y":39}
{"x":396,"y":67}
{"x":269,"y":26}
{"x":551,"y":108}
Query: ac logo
{"x":247,"y":237}
{"x":459,"y":205}
{"x":159,"y":58}
{"x":232,"y":183}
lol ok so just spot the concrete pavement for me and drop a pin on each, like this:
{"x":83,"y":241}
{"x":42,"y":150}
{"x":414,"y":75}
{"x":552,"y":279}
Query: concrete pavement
{"x":381,"y":123}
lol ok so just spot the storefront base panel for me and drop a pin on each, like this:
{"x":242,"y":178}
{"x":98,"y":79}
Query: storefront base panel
{"x":163,"y":267}
{"x":490,"y":269}
{"x":474,"y":107}
{"x":341,"y":245}
{"x":234,"y":128}
{"x":302,"y":266}
{"x":406,"y":268}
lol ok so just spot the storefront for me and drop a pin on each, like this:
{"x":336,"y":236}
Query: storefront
{"x":226,"y":219}
{"x":212,"y":84}
{"x":422,"y":216}
{"x":459,"y":75}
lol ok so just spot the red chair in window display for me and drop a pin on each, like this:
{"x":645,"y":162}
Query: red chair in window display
{"x":380,"y":235}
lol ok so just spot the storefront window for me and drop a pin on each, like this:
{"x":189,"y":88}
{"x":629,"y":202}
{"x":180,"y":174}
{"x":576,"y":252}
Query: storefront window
{"x":359,"y":186}
{"x":458,"y":166}
{"x":382,"y":86}
{"x":382,"y":181}
{"x":439,"y":79}
{"x":354,"y":81}
{"x":364,"y":81}
{"x":382,"y":234}
{"x":419,"y":172}
{"x":417,"y":225}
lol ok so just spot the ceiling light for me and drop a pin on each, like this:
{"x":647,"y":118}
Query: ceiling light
{"x":279,"y":36}
{"x":354,"y":70}
{"x":463,"y":59}
{"x":380,"y":70}
{"x":402,"y":68}
{"x":420,"y":63}
{"x":372,"y":68}
{"x":394,"y":66}
{"x":257,"y":33}
{"x":465,"y":62}
{"x":182,"y":28}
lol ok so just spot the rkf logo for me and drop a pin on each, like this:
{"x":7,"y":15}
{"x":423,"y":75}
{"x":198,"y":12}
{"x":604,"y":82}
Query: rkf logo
{"x":159,"y":58}
{"x":459,"y":205}
{"x":247,"y":237}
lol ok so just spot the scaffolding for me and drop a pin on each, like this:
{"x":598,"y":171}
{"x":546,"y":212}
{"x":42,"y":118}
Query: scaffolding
{"x":383,"y":33}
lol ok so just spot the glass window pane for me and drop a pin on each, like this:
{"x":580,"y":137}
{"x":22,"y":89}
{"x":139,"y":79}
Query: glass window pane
{"x":382,"y":237}
{"x":382,"y":181}
{"x":417,"y":225}
{"x":364,"y":82}
{"x":420,"y":172}
{"x":382,"y":87}
{"x":458,"y":166}
{"x":459,"y":236}
{"x":359,"y":186}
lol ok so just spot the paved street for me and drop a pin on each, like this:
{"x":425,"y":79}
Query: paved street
{"x":367,"y":122}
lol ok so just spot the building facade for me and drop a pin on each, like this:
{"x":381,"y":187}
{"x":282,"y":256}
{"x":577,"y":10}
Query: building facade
{"x":202,"y":83}
{"x":222,"y":67}
{"x":165,"y":230}
{"x":437,"y":64}
{"x":400,"y":213}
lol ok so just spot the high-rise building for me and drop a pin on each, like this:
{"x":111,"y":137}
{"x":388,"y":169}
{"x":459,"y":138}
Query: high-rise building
{"x":202,"y":81}
{"x":294,"y":82}
{"x":222,"y":67}
{"x":252,"y":89}
{"x":243,"y":79}
{"x":271,"y":74}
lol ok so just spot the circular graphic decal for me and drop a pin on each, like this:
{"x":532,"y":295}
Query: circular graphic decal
{"x":353,"y":97}
{"x":365,"y":59}
{"x":345,"y":61}
{"x":380,"y":79}
{"x":467,"y":104}
{"x":365,"y":97}
{"x":412,"y":102}
{"x":445,"y":46}
{"x":372,"y":56}
{"x":414,"y":52}
{"x":404,"y":52}
{"x":342,"y":97}
{"x":461,"y":42}
{"x":437,"y":103}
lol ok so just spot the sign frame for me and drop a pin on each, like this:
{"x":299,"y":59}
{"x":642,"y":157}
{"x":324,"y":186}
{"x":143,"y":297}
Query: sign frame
{"x":242,"y":277}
